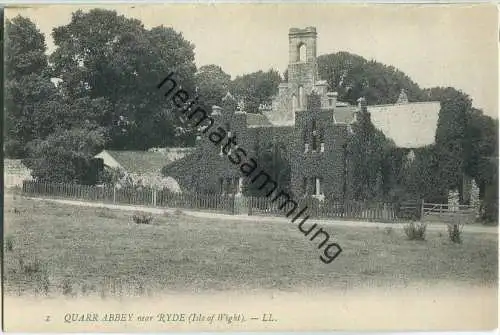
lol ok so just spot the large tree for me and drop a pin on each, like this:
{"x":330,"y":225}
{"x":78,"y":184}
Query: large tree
{"x":213,"y":84}
{"x":103,"y":55}
{"x":450,"y":135}
{"x":256,"y":88}
{"x":353,"y":76}
{"x":367,"y":150}
{"x":30,"y":96}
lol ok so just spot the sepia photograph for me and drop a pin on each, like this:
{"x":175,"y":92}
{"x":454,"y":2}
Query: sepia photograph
{"x":250,"y":167}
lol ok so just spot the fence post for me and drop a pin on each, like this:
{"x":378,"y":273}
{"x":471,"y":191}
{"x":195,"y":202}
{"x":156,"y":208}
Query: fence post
{"x":250,"y":205}
{"x":154,"y":197}
{"x":114,"y":194}
{"x":422,"y":210}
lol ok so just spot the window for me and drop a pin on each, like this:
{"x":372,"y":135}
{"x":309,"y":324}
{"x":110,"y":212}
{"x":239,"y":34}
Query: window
{"x":301,"y":97}
{"x":229,"y":186}
{"x":221,"y":185}
{"x":304,"y":185}
{"x":322,"y":140}
{"x":317,"y":186}
{"x":302,"y":53}
{"x":228,"y":129}
{"x":315,"y":137}
{"x":239,"y":182}
{"x":304,"y":137}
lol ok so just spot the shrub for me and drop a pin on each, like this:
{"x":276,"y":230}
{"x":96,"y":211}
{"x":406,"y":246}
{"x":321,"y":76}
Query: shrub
{"x":67,"y":287}
{"x":455,"y":232}
{"x":105,"y":213}
{"x":415,"y":231}
{"x":31,"y":267}
{"x":142,"y":218}
{"x":9,"y":243}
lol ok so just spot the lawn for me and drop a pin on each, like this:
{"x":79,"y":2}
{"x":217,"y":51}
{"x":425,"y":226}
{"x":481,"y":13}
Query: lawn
{"x":58,"y":249}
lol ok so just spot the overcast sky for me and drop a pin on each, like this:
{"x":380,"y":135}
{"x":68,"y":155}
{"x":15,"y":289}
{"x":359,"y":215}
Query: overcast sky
{"x":447,"y":45}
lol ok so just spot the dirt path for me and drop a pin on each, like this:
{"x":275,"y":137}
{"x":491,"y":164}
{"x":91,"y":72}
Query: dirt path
{"x":345,"y":223}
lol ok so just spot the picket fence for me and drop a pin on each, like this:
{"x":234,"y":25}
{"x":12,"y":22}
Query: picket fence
{"x":229,"y":204}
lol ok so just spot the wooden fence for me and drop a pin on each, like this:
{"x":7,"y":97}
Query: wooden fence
{"x":231,"y":204}
{"x":358,"y":210}
{"x":444,"y":213}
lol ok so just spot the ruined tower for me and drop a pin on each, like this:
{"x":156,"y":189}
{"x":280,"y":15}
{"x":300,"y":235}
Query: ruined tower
{"x":302,"y":64}
{"x":302,"y":77}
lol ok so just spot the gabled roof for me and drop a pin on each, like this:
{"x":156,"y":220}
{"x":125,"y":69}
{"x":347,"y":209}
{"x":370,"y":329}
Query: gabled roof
{"x":344,"y":114}
{"x":257,"y":120}
{"x":146,"y":161}
{"x":409,"y":125}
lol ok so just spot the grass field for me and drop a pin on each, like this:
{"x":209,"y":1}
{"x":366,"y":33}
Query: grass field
{"x":56,"y":249}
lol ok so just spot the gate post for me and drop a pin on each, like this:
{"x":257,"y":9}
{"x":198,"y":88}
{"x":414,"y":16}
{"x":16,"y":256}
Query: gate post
{"x":422,"y":210}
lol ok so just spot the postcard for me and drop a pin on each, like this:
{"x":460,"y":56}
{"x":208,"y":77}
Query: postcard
{"x":250,"y":167}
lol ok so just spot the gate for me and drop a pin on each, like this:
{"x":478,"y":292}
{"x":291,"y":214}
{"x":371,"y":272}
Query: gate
{"x":448,"y":213}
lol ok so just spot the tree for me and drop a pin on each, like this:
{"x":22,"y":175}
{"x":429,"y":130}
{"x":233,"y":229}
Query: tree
{"x":30,"y":96}
{"x":353,"y":76}
{"x":367,"y":148}
{"x":256,"y":88}
{"x":103,"y":55}
{"x":451,"y":134}
{"x":65,"y":156}
{"x":213,"y":84}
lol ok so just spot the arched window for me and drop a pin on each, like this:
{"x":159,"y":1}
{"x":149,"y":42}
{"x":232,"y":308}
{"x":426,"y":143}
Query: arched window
{"x":294,"y":102}
{"x":302,"y":53}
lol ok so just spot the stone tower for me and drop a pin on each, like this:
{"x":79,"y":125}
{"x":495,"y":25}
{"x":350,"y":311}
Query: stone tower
{"x":302,"y":77}
{"x":302,"y":64}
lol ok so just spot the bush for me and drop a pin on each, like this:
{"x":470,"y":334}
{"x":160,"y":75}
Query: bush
{"x":455,"y":232}
{"x":415,"y":231}
{"x":9,"y":243}
{"x":142,"y":218}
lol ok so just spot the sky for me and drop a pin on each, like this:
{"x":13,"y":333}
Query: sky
{"x":435,"y":45}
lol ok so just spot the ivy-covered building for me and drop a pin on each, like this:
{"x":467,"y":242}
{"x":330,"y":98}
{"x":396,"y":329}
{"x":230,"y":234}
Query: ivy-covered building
{"x":306,"y":125}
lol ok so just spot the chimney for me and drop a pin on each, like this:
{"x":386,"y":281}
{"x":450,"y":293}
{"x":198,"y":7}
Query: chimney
{"x":332,"y":99}
{"x":362,"y":103}
{"x":216,"y":110}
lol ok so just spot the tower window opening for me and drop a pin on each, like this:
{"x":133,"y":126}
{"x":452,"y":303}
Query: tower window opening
{"x":302,"y":53}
